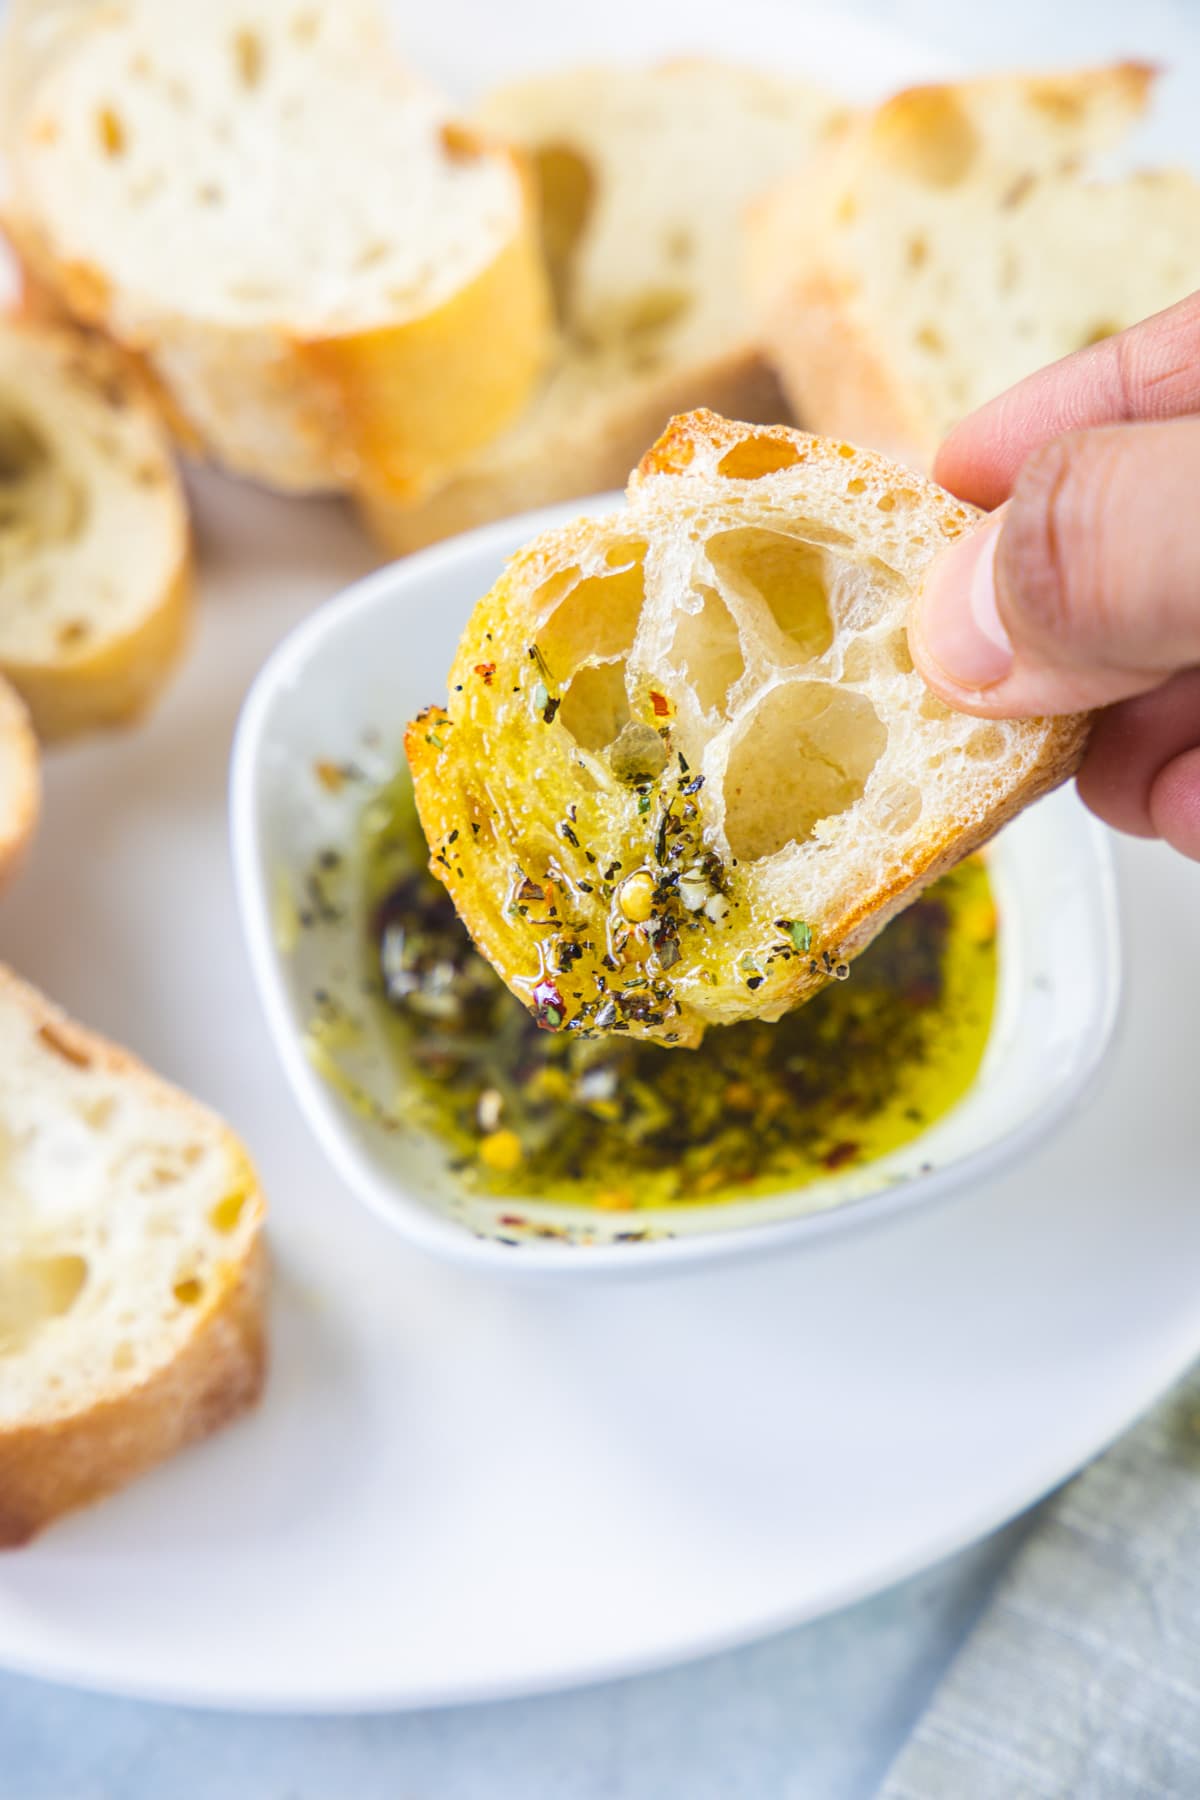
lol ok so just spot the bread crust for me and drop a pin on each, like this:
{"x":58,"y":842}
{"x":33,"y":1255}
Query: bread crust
{"x":503,"y":800}
{"x":820,"y":334}
{"x":664,"y":159}
{"x":860,"y":925}
{"x":117,"y":683}
{"x":390,"y":408}
{"x":53,"y":1466}
{"x":54,"y":1463}
{"x":114,"y":675}
{"x":393,"y":405}
{"x":834,"y":373}
{"x":569,"y":463}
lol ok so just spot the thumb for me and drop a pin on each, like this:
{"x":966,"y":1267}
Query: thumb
{"x":1082,"y":590}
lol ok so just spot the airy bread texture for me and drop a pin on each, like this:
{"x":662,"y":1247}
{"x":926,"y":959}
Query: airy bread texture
{"x":953,"y":241}
{"x":327,"y":276}
{"x":94,"y":543}
{"x":643,"y":175}
{"x":132,"y":1274}
{"x":20,"y":781}
{"x":686,"y":770}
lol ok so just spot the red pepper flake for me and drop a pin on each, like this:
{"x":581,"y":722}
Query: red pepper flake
{"x":459,"y":142}
{"x":660,"y":703}
{"x":548,"y":1006}
{"x":487,"y":670}
{"x":511,"y":1219}
{"x":841,"y":1154}
{"x":330,"y":775}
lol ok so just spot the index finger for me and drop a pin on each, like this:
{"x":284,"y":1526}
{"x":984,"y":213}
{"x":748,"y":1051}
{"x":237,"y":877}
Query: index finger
{"x":1151,"y":371}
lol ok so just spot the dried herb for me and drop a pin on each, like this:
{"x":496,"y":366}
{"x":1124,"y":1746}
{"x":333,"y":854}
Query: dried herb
{"x":800,"y":933}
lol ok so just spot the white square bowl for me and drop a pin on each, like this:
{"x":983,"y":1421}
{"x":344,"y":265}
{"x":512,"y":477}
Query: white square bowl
{"x":339,"y":690}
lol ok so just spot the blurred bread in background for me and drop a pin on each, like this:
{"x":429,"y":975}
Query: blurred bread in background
{"x":954,"y":240}
{"x":643,"y":177}
{"x":20,"y":781}
{"x":326,"y":276}
{"x":94,"y":543}
{"x":132,"y":1273}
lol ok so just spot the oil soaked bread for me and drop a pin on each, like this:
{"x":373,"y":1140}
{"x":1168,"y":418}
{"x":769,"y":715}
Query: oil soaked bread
{"x":686,"y":770}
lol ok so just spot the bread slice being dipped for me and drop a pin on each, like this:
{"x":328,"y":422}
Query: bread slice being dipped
{"x":685,"y":770}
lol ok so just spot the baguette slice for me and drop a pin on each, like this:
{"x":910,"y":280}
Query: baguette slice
{"x":20,"y":781}
{"x":953,"y":241}
{"x":132,"y":1273}
{"x":94,"y":545}
{"x":686,"y":770}
{"x":643,"y":175}
{"x":325,"y":275}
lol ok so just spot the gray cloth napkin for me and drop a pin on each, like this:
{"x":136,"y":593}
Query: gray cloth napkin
{"x":1082,"y":1679}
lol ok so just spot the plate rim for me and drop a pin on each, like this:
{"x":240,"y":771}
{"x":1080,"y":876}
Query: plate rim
{"x":889,"y":1573}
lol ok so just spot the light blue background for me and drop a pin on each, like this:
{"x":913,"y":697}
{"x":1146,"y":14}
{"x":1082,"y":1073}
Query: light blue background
{"x":816,"y":1714}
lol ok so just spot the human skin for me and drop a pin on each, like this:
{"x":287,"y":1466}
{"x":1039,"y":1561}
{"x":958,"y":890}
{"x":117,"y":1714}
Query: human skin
{"x":1083,"y":590}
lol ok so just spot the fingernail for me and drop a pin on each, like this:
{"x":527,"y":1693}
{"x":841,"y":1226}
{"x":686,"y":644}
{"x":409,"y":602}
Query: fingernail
{"x":958,"y":622}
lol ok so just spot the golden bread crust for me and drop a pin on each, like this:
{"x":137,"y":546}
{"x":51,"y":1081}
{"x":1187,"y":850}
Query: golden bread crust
{"x":53,"y":1466}
{"x":580,"y":458}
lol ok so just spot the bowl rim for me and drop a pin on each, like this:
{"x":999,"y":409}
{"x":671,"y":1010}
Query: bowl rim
{"x":399,"y":583}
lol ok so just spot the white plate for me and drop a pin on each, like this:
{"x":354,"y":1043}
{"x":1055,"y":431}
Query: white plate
{"x":457,"y":1489}
{"x":339,"y":691}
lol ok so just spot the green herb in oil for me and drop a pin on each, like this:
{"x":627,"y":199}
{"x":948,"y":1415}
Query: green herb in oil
{"x":861,"y":1069}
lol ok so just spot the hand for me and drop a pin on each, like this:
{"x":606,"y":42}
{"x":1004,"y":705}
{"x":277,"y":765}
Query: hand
{"x":1084,"y":589}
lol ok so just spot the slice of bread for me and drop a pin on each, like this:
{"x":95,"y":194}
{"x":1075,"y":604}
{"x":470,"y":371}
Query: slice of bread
{"x":20,"y":781}
{"x":326,"y":275}
{"x":94,"y":544}
{"x":686,"y":770}
{"x":953,"y":241}
{"x":643,"y":176}
{"x":132,"y":1273}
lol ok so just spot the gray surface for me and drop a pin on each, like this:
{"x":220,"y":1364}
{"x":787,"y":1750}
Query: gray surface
{"x":1083,"y":1677}
{"x":817,"y":1714}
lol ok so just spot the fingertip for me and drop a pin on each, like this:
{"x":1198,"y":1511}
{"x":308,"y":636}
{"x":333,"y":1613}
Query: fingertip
{"x":1175,"y":804}
{"x":955,"y":465}
{"x":1132,"y":745}
{"x":1119,"y":804}
{"x":975,"y":461}
{"x":957,"y":636}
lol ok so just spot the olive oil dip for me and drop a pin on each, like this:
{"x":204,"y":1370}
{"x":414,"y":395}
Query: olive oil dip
{"x":862,"y":1069}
